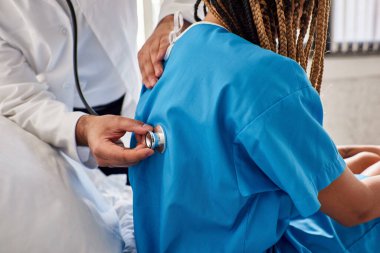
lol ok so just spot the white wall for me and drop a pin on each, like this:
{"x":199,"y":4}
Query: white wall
{"x":147,"y":13}
{"x":351,"y":99}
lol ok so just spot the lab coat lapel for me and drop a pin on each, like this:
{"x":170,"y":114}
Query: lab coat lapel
{"x":108,"y":21}
{"x":61,"y":13}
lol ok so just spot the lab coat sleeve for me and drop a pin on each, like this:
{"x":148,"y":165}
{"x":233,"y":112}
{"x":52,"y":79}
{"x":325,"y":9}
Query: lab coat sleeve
{"x":185,"y":6}
{"x":289,"y":145}
{"x":28,"y":103}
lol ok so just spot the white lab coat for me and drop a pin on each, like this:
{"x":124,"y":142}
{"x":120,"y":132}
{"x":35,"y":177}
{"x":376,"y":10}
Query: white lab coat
{"x":37,"y":86}
{"x":185,"y":6}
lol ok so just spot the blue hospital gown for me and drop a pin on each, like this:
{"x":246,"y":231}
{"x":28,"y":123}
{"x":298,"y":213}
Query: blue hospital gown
{"x":246,"y":153}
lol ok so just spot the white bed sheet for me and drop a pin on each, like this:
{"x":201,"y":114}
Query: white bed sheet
{"x":120,"y":197}
{"x":48,"y":204}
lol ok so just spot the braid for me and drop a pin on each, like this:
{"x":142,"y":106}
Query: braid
{"x":196,"y":7}
{"x":282,"y":28}
{"x":318,"y":53}
{"x":279,"y":25}
{"x":310,"y":41}
{"x":216,"y":14}
{"x":267,"y":23}
{"x":230,"y":15}
{"x":258,"y":19}
{"x":232,"y":18}
{"x":204,"y":10}
{"x":304,"y":25}
{"x":273,"y":23}
{"x":319,"y":80}
{"x":234,"y":25}
{"x":231,"y":7}
{"x":296,"y":17}
{"x":251,"y":25}
{"x":289,"y":7}
{"x":254,"y":37}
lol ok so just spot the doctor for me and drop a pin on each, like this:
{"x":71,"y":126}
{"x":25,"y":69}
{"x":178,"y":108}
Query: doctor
{"x":37,"y":87}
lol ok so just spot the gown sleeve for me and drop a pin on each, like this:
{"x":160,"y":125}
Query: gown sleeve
{"x":288,"y":144}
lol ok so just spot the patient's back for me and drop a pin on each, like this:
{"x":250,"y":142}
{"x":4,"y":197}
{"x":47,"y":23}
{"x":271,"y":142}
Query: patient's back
{"x":204,"y":194}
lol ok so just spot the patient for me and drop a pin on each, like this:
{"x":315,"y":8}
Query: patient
{"x":248,"y":166}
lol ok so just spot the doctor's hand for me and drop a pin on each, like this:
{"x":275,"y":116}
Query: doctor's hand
{"x":102,"y":134}
{"x":153,"y":51}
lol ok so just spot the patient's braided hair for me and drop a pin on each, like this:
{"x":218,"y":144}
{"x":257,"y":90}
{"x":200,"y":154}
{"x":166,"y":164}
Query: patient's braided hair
{"x":293,"y":28}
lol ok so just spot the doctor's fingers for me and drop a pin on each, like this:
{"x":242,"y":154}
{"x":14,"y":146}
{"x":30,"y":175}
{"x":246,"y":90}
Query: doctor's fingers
{"x":112,"y":155}
{"x":150,"y":60}
{"x":161,"y":52}
{"x":140,"y":140}
{"x":161,"y":43}
{"x":153,"y":51}
{"x":131,"y":125}
{"x":146,"y":67}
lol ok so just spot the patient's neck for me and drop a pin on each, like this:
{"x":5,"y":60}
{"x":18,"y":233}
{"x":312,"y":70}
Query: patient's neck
{"x":212,"y":19}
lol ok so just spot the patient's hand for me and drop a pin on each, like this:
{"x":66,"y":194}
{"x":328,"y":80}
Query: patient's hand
{"x":362,"y":159}
{"x":351,"y":150}
{"x":361,"y":162}
{"x":153,"y":52}
{"x":102,"y":133}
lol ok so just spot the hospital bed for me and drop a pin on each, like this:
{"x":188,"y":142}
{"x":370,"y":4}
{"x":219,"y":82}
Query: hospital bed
{"x":49,"y":203}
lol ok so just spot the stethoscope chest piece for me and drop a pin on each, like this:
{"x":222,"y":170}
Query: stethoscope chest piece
{"x":156,"y":140}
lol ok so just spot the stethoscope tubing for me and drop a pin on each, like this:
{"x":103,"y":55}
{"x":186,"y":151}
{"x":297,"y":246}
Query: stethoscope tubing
{"x":75,"y":59}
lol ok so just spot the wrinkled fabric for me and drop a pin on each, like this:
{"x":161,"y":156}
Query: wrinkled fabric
{"x":246,"y":152}
{"x":48,"y":203}
{"x":119,"y":196}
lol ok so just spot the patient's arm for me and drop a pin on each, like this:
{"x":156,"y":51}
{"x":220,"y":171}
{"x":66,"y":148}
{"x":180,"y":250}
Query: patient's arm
{"x":351,"y":201}
{"x":351,"y":150}
{"x":360,"y":162}
{"x":373,"y":170}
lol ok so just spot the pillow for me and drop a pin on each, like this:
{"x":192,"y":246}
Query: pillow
{"x":46,"y":203}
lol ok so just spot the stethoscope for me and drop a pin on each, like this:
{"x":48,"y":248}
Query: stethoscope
{"x":156,"y":139}
{"x":153,"y":139}
{"x":75,"y":58}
